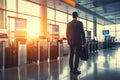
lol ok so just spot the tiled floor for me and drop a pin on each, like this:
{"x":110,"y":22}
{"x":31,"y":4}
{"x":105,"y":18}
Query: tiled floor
{"x":104,"y":65}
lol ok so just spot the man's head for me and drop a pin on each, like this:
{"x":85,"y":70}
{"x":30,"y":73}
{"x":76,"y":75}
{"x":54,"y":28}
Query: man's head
{"x":75,"y":14}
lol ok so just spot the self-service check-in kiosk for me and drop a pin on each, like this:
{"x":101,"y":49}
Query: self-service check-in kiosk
{"x":15,"y":53}
{"x":8,"y":52}
{"x":1,"y":54}
{"x":21,"y":38}
{"x":11,"y":55}
{"x":65,"y":47}
{"x":43,"y":49}
{"x":32,"y":52}
{"x":50,"y":47}
{"x":3,"y":45}
{"x":54,"y":43}
{"x":27,"y":50}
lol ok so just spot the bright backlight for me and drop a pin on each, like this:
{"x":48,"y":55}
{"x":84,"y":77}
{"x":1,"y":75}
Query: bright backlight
{"x":33,"y":32}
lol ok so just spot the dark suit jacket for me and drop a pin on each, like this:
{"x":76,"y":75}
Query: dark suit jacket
{"x":75,"y":33}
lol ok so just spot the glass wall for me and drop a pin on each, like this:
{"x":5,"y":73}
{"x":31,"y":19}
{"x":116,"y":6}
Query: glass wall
{"x":32,"y":12}
{"x":33,"y":17}
{"x":70,"y":18}
{"x":84,"y":23}
{"x":118,"y":32}
{"x":50,"y":14}
{"x":2,"y":19}
{"x":2,"y":14}
{"x":50,"y":21}
{"x":22,"y":9}
{"x":33,"y":26}
{"x":114,"y":32}
{"x":11,"y":5}
{"x":57,"y":18}
{"x":62,"y":17}
{"x":111,"y":29}
{"x":62,"y":29}
{"x":90,"y":28}
{"x":100,"y":36}
{"x":28,"y":8}
{"x":62,"y":20}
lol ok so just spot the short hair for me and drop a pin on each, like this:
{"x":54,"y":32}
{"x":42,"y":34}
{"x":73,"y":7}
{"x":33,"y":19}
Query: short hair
{"x":75,"y":14}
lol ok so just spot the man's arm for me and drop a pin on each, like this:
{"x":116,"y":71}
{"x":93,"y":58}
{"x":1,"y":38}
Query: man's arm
{"x":83,"y":33}
{"x":67,"y":33}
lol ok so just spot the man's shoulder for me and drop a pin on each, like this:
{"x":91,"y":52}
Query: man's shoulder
{"x":79,"y":21}
{"x":69,"y":23}
{"x":74,"y":21}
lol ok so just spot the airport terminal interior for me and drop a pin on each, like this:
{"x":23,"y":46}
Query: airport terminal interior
{"x":33,"y":42}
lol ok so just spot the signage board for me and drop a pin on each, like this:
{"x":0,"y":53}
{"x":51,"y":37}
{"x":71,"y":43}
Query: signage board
{"x":20,"y":28}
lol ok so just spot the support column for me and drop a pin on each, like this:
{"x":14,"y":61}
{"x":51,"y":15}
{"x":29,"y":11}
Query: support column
{"x":2,"y":15}
{"x":115,"y":32}
{"x":94,"y":27}
{"x":44,"y":20}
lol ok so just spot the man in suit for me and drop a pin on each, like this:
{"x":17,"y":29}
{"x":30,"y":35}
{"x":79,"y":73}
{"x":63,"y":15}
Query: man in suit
{"x":76,"y":40}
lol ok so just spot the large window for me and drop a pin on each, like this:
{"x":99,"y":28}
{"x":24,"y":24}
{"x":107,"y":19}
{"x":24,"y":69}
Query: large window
{"x":32,"y":12}
{"x":11,"y":5}
{"x":84,"y":23}
{"x":90,"y":28}
{"x":62,"y":28}
{"x":111,"y":29}
{"x":2,"y":14}
{"x":28,"y":8}
{"x":70,"y":18}
{"x":50,"y":14}
{"x":10,"y":25}
{"x":100,"y":36}
{"x":2,"y":19}
{"x":61,"y":20}
{"x":117,"y":32}
{"x":62,"y":17}
{"x":33,"y":26}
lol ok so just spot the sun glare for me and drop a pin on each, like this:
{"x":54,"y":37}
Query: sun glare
{"x":33,"y":32}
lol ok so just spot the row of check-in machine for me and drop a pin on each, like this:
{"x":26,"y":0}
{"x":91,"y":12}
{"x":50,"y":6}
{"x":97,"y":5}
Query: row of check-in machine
{"x":16,"y":53}
{"x":19,"y":53}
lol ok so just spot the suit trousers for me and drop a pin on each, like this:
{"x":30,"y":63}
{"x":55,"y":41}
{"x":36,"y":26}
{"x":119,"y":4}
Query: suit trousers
{"x":75,"y":50}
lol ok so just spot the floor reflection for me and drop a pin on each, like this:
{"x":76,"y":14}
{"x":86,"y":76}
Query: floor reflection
{"x":73,"y":76}
{"x":104,"y":65}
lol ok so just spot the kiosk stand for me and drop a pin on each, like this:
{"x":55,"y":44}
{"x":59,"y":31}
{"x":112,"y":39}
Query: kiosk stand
{"x":54,"y":52}
{"x":3,"y":45}
{"x":15,"y":53}
{"x":42,"y":49}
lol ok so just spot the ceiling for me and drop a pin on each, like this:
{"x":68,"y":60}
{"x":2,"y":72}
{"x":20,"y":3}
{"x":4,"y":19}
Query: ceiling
{"x":109,"y":9}
{"x":105,"y":11}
